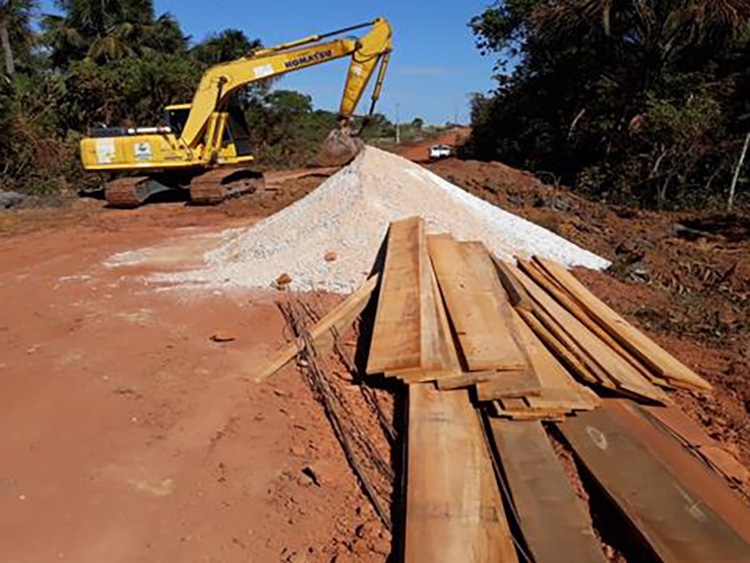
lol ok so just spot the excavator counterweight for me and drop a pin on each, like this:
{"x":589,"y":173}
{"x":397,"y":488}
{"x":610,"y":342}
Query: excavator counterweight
{"x":205,"y":145}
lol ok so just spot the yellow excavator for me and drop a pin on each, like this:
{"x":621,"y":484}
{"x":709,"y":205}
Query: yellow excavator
{"x":204,"y":146}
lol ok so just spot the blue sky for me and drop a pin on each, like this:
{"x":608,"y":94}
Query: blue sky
{"x":434,"y":66}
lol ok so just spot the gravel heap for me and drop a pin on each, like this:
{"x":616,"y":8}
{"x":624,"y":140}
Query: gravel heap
{"x":348,"y":216}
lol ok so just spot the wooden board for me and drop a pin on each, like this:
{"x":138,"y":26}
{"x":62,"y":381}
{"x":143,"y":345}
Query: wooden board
{"x":545,"y":281}
{"x":402,"y":315}
{"x":646,"y":350}
{"x":558,"y":388}
{"x":454,"y":511}
{"x":676,"y":523}
{"x":322,"y":332}
{"x":396,"y":340}
{"x":693,"y":436}
{"x":597,"y":352}
{"x":440,"y":355}
{"x":480,"y":263}
{"x":518,"y":409}
{"x":563,"y":354}
{"x":508,"y":384}
{"x":518,"y":296}
{"x":550,"y":515}
{"x":474,"y":309}
{"x":463,"y":380}
{"x":686,"y":465}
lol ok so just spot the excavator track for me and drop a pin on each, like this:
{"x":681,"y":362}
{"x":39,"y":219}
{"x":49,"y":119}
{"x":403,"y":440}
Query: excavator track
{"x":222,"y":183}
{"x":134,"y":191}
{"x":127,"y":192}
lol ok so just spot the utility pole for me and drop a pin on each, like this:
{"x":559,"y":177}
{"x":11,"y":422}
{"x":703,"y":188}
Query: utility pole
{"x":398,"y":124}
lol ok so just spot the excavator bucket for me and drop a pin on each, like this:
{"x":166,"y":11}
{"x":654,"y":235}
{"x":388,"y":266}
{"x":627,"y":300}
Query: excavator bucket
{"x":339,"y":148}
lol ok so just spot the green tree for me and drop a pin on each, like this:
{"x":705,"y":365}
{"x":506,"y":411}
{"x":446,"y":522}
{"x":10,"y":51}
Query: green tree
{"x":223,"y":47}
{"x":620,"y":99}
{"x":107,"y":30}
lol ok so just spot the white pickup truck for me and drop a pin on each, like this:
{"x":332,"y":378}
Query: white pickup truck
{"x":440,"y":151}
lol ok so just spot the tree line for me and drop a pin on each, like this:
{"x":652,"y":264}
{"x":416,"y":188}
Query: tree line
{"x":117,"y":62}
{"x":641,"y":102}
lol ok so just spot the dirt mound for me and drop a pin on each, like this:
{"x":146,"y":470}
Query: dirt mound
{"x":349,"y":214}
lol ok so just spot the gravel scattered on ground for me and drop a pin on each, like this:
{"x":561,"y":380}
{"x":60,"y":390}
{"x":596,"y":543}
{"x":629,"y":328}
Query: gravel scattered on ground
{"x":349,"y":215}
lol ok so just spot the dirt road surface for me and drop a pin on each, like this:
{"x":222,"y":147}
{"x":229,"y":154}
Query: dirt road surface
{"x":420,"y":152}
{"x":129,"y":435}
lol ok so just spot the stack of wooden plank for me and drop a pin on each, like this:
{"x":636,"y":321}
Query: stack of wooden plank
{"x":496,"y":355}
{"x":529,"y":338}
{"x":443,"y":316}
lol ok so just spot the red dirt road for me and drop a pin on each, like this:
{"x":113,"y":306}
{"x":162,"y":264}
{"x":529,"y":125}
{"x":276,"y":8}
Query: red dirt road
{"x":420,"y":152}
{"x":130,"y":436}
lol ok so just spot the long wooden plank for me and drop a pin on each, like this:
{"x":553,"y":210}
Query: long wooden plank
{"x":462,"y":380}
{"x":441,"y":357}
{"x":688,"y":467}
{"x":558,"y":388}
{"x":397,"y":332}
{"x":550,"y":515}
{"x":674,"y":420}
{"x":640,"y":345}
{"x":519,"y":409}
{"x":519,"y":297}
{"x":473,"y":309}
{"x":434,"y":342}
{"x":551,"y":286}
{"x":337,"y":320}
{"x":454,"y":511}
{"x":676,"y":523}
{"x":510,"y":383}
{"x":563,"y":354}
{"x":480,"y":262}
{"x":625,"y":375}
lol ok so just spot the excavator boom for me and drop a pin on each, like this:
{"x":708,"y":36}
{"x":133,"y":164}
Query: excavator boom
{"x":221,"y":81}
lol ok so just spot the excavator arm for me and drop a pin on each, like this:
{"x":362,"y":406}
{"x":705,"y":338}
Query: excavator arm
{"x":221,"y":81}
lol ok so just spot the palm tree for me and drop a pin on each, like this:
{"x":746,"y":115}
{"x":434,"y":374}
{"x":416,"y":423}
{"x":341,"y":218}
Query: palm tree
{"x":15,"y":17}
{"x":105,"y":30}
{"x":661,"y":30}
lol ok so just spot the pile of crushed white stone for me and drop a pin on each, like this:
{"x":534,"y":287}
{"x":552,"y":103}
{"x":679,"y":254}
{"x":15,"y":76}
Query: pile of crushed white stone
{"x":349,"y":215}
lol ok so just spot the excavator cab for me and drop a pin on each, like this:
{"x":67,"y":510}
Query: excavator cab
{"x":237,"y":132}
{"x":176,"y":116}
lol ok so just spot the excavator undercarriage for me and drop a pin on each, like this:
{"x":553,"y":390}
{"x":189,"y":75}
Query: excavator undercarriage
{"x":208,"y":188}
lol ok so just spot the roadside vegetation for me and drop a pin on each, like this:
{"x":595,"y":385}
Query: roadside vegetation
{"x":641,"y":102}
{"x":117,"y":62}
